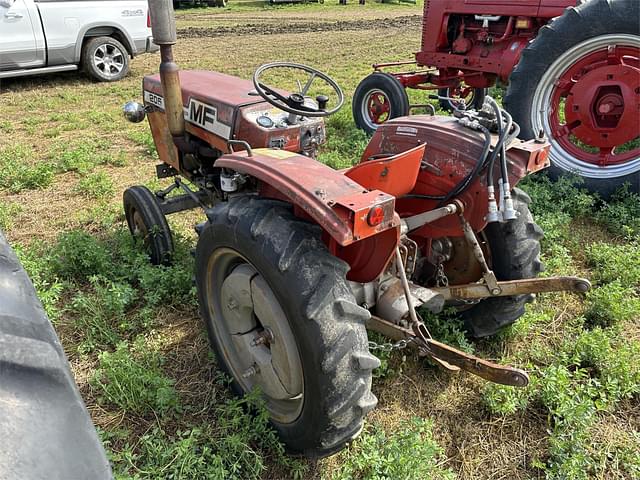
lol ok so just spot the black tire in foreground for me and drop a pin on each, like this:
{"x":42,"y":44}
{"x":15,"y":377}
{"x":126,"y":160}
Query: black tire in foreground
{"x":105,"y":59}
{"x":515,"y":254}
{"x":45,"y":428}
{"x":473,"y":101}
{"x":590,"y":27}
{"x":148,"y":224}
{"x":317,"y":346}
{"x":378,"y":98}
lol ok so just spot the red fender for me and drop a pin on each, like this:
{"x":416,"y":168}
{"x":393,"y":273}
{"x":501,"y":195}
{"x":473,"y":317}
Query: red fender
{"x":335,"y":202}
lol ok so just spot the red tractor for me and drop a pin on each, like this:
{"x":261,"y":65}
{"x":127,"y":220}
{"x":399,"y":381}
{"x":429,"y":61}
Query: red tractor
{"x":296,"y":260}
{"x":573,"y":73}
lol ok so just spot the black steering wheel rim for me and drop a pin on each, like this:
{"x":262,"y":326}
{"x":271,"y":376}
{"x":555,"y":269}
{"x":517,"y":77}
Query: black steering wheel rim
{"x":261,"y":89}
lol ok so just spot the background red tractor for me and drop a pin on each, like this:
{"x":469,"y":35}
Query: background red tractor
{"x":572,"y":74}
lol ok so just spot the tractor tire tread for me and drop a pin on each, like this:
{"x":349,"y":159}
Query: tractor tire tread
{"x":338,"y":380}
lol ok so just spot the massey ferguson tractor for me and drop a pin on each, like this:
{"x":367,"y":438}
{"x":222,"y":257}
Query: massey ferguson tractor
{"x":296,"y":260}
{"x":572,"y":73}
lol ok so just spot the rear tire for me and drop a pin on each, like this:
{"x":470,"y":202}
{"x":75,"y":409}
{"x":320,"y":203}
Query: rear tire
{"x":564,"y":42}
{"x":147,"y":223}
{"x":105,"y":59}
{"x":515,"y":254}
{"x":378,"y":98}
{"x":327,"y":326}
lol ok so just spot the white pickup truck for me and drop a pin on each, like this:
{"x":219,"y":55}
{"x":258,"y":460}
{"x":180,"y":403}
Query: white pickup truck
{"x":42,"y":36}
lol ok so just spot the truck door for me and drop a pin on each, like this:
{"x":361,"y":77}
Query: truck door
{"x":21,"y":38}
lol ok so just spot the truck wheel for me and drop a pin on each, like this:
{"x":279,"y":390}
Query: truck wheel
{"x":281,"y":317}
{"x":515,"y":254}
{"x":378,"y":98}
{"x":148,"y":224}
{"x":473,"y":97}
{"x":105,"y":59}
{"x":579,"y":83}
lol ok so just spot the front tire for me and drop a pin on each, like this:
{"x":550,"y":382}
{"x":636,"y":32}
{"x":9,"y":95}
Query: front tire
{"x":148,"y":224}
{"x":515,"y":254}
{"x":105,"y":59}
{"x":317,"y":387}
{"x":378,"y":98}
{"x":579,"y":64}
{"x":473,"y":97}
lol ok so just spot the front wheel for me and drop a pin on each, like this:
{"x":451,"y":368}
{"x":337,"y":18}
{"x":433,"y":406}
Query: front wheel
{"x":473,"y":98}
{"x":281,"y":317}
{"x":378,"y":98}
{"x":105,"y":59}
{"x":578,"y":82}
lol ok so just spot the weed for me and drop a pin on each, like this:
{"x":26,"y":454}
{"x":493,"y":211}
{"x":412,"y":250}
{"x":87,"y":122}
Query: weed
{"x":132,"y":380}
{"x":345,"y":143}
{"x":17,"y":174}
{"x":8,"y":213}
{"x":615,"y":262}
{"x":96,"y":185}
{"x":78,"y":256}
{"x":447,"y":327}
{"x":100,"y":313}
{"x":235,"y":448}
{"x":144,"y":139}
{"x":621,"y":215}
{"x":610,"y":305}
{"x":410,"y":452}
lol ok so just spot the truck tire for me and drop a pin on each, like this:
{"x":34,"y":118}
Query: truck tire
{"x":105,"y":59}
{"x":515,"y":254}
{"x":147,"y":223}
{"x":551,"y":73}
{"x":473,"y":100}
{"x":378,"y":98}
{"x":262,"y":272}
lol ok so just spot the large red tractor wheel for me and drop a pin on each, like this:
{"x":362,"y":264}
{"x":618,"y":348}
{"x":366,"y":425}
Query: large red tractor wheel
{"x":281,"y":317}
{"x":578,"y":82}
{"x":378,"y":98}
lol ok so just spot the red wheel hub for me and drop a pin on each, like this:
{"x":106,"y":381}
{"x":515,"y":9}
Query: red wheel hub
{"x":601,"y":95}
{"x":378,"y":107}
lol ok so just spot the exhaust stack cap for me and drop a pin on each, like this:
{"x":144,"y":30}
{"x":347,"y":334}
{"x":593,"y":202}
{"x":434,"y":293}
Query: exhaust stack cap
{"x":163,"y":22}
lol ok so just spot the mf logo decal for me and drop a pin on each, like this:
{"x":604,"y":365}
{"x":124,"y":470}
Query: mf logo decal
{"x":202,"y":115}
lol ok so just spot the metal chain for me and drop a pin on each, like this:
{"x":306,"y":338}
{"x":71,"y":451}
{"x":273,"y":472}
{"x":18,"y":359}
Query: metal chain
{"x":388,"y":347}
{"x":441,"y":278}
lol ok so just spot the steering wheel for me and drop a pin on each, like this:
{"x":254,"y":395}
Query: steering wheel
{"x":298,"y":103}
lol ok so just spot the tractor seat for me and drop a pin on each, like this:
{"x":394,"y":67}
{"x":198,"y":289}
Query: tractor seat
{"x":395,"y":175}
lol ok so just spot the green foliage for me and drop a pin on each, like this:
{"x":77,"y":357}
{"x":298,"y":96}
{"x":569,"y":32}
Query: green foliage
{"x":345,"y":142}
{"x":100,"y":313}
{"x":131,"y":378}
{"x":563,"y":195}
{"x":17,"y":173}
{"x":144,"y":138}
{"x":235,"y":448}
{"x":448,"y":328}
{"x":8,"y":212}
{"x":78,"y":256}
{"x":410,"y":452}
{"x":610,"y":305}
{"x":615,"y":262}
{"x":96,"y":185}
{"x":621,"y":215}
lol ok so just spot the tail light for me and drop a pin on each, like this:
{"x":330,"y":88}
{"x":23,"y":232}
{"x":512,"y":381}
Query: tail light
{"x":375,"y":216}
{"x":148,"y":19}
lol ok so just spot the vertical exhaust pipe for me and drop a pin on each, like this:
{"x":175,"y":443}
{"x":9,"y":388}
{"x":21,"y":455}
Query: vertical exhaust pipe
{"x":163,"y":27}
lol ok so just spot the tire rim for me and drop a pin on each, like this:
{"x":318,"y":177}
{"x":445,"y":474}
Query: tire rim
{"x":109,"y":60}
{"x":253,"y":333}
{"x":376,"y":108}
{"x":589,"y":109}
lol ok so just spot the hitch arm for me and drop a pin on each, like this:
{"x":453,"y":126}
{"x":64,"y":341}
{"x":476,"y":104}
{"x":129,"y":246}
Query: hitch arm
{"x":451,"y":358}
{"x":478,"y":291}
